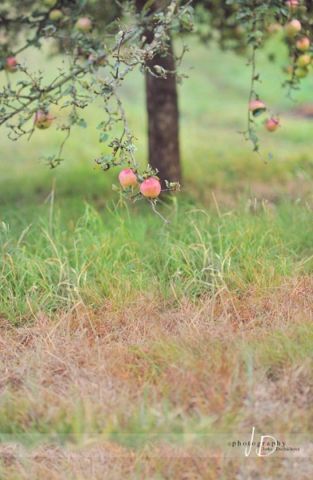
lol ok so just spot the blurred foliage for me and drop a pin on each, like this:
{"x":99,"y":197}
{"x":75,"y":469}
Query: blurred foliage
{"x":98,"y":61}
{"x":102,"y":42}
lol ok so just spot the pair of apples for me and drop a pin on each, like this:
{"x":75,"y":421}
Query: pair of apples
{"x":257,"y":107}
{"x":149,"y":188}
{"x":83,"y":24}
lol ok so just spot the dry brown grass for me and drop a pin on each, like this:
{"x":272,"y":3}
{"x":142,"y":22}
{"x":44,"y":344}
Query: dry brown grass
{"x":110,"y":461}
{"x":88,"y":374}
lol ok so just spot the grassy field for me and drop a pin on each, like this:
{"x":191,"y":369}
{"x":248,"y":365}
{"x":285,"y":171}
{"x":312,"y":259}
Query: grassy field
{"x":116,"y":327}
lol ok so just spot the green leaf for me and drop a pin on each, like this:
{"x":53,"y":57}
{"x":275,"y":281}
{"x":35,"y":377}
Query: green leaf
{"x":103,"y":137}
{"x":81,"y":123}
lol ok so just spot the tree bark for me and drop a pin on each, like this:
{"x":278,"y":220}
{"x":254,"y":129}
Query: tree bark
{"x":163,"y":119}
{"x":162,"y":111}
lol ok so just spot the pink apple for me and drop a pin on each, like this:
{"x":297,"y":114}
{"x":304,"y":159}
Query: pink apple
{"x":292,"y":28}
{"x":257,"y":107}
{"x":151,"y":187}
{"x":127,"y":178}
{"x":84,"y":24}
{"x":292,"y":4}
{"x":11,"y":64}
{"x":303,"y":44}
{"x":43,"y":119}
{"x":271,"y":124}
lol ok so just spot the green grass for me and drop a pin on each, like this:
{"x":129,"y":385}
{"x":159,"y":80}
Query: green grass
{"x":55,"y":262}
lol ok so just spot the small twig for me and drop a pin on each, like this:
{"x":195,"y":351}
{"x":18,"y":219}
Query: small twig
{"x":158,"y":213}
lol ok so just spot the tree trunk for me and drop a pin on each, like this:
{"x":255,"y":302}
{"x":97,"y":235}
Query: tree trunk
{"x":162,"y":110}
{"x":163,"y":119}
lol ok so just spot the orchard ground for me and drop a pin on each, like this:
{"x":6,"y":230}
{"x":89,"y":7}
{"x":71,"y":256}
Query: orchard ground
{"x":116,"y":326}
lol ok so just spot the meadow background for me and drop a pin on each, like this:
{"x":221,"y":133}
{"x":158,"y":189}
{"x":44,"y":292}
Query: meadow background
{"x":116,"y":326}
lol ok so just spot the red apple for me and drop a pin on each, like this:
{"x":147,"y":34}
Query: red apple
{"x":303,"y":44}
{"x":292,"y":28}
{"x":257,"y":107}
{"x":271,"y":124}
{"x":84,"y":24}
{"x":11,"y":64}
{"x":150,"y":188}
{"x":56,"y":15}
{"x":127,"y":178}
{"x":43,"y":119}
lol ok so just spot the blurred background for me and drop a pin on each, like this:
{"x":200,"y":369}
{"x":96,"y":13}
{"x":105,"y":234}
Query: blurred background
{"x":213,"y":110}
